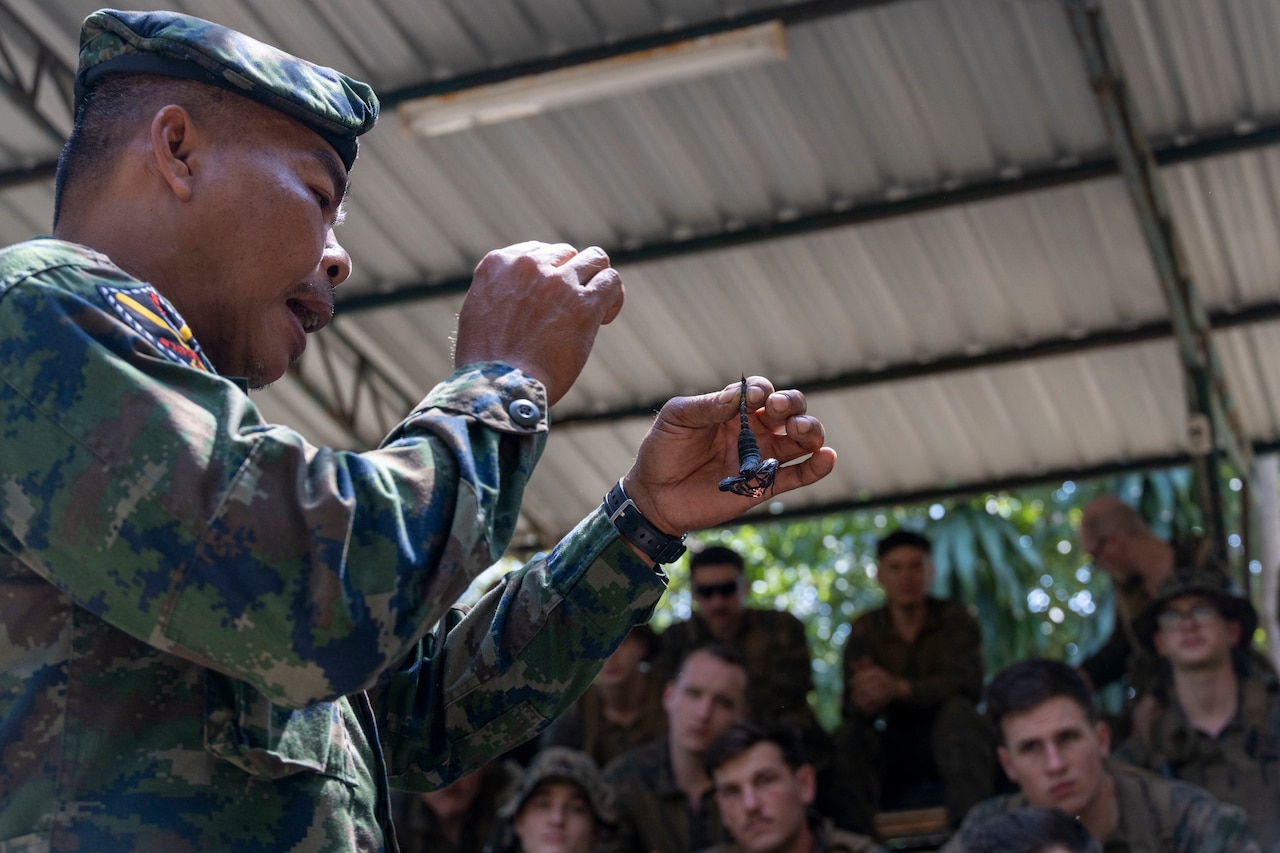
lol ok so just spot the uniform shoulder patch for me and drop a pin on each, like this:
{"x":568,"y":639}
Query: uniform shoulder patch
{"x":149,"y":314}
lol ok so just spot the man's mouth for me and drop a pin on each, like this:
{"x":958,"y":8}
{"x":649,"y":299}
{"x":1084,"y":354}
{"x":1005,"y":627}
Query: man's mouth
{"x":313,"y":312}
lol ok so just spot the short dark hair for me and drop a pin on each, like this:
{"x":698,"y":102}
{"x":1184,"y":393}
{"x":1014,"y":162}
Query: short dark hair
{"x":113,"y":111}
{"x":1028,"y":684}
{"x":722,"y":652}
{"x":1031,"y":829}
{"x":902,"y":538}
{"x":716,"y":555}
{"x":744,"y":734}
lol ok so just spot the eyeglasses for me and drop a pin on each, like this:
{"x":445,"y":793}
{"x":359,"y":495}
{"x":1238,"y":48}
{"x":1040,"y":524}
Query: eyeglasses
{"x":1201,"y":614}
{"x":712,"y":590}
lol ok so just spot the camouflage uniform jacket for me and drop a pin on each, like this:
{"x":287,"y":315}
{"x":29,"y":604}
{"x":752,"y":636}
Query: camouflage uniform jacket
{"x":585,"y":727}
{"x":653,"y":812}
{"x":193,"y":602}
{"x":1156,"y":816}
{"x":1241,"y":765}
{"x":944,"y":661}
{"x":1124,"y":653}
{"x":826,"y":839}
{"x":773,"y":642}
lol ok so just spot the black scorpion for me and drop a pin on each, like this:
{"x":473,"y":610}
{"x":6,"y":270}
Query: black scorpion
{"x":755,"y":476}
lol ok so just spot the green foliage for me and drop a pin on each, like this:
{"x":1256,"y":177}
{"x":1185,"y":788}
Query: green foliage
{"x":1011,"y":557}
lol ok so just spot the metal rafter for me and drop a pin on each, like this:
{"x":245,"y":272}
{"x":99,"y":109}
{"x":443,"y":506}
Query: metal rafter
{"x":1208,"y":397}
{"x":29,"y":67}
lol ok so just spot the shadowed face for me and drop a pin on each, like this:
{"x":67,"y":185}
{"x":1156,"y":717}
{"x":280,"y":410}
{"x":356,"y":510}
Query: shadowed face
{"x":1193,"y":634}
{"x":762,"y":800}
{"x":557,"y":818}
{"x":705,"y":698}
{"x":905,"y":574}
{"x":717,"y":590}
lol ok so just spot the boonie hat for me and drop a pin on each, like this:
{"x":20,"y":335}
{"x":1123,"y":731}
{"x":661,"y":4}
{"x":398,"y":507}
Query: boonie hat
{"x":1188,"y":580}
{"x":332,"y":104}
{"x":562,"y":764}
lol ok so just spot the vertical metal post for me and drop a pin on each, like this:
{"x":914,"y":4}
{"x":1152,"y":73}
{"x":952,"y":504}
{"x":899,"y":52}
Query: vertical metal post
{"x":1214,"y":432}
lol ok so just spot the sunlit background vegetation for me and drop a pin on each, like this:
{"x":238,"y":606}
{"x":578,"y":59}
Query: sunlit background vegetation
{"x":1011,"y":557}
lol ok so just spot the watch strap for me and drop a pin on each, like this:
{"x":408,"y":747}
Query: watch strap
{"x":638,"y":530}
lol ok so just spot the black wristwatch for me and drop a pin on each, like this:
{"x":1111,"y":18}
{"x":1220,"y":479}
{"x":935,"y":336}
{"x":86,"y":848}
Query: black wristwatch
{"x":638,"y":530}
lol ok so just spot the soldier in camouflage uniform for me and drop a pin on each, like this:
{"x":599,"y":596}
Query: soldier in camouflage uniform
{"x":1056,"y":751}
{"x":563,"y":806}
{"x":1137,"y":561}
{"x":765,"y":788}
{"x":1218,"y":724}
{"x":772,"y":642}
{"x":193,"y":602}
{"x":912,"y":680}
{"x":665,"y":797}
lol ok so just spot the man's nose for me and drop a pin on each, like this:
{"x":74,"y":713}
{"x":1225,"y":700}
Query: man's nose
{"x":1053,"y":759}
{"x":335,"y":261}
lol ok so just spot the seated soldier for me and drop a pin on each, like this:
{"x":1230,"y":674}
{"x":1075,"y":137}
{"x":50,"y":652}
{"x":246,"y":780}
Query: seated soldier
{"x":564,"y":806}
{"x":1053,"y":747}
{"x":664,"y":793}
{"x":912,"y":679}
{"x":772,"y":642}
{"x":458,"y":818}
{"x":621,"y":709}
{"x":765,"y":789}
{"x":1219,"y":724}
{"x":1034,"y":829}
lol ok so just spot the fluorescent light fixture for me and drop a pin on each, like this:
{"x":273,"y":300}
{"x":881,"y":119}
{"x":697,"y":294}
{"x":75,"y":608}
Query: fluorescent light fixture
{"x":436,"y":115}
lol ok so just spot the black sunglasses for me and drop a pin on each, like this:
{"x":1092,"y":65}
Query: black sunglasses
{"x":725,"y":589}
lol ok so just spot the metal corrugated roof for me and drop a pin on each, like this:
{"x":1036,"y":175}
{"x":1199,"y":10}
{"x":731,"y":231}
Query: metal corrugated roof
{"x":916,"y":214}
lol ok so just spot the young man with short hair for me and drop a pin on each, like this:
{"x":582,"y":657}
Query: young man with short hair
{"x":765,"y":789}
{"x":1053,"y":747}
{"x":1218,"y":725}
{"x":772,"y":642}
{"x":911,"y":734}
{"x":664,"y":792}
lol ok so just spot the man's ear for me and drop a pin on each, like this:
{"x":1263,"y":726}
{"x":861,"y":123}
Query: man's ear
{"x":1003,"y":755}
{"x":173,"y":137}
{"x":807,"y":779}
{"x":1103,"y":731}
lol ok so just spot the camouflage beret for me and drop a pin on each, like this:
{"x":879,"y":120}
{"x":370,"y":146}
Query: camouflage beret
{"x":562,"y":764}
{"x":174,"y":45}
{"x":1187,"y":580}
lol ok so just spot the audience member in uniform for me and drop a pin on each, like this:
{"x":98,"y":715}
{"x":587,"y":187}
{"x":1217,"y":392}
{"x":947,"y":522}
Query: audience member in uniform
{"x":664,"y":793}
{"x":911,"y":734}
{"x":564,"y":806}
{"x":765,"y":789}
{"x":621,"y":709}
{"x":772,"y":642}
{"x":1218,"y":726}
{"x":1056,"y":751}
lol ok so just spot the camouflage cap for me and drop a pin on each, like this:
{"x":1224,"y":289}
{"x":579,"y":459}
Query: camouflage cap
{"x":562,"y":764}
{"x":175,"y":45}
{"x":1188,"y":580}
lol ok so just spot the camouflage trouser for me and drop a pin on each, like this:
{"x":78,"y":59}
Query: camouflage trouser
{"x":952,"y":747}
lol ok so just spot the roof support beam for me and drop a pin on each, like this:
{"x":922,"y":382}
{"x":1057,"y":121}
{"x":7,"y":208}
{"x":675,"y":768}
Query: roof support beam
{"x":1209,"y":401}
{"x":1032,"y":180}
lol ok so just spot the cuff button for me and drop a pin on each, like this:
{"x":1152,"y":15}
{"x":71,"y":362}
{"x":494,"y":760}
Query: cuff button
{"x":525,"y":412}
